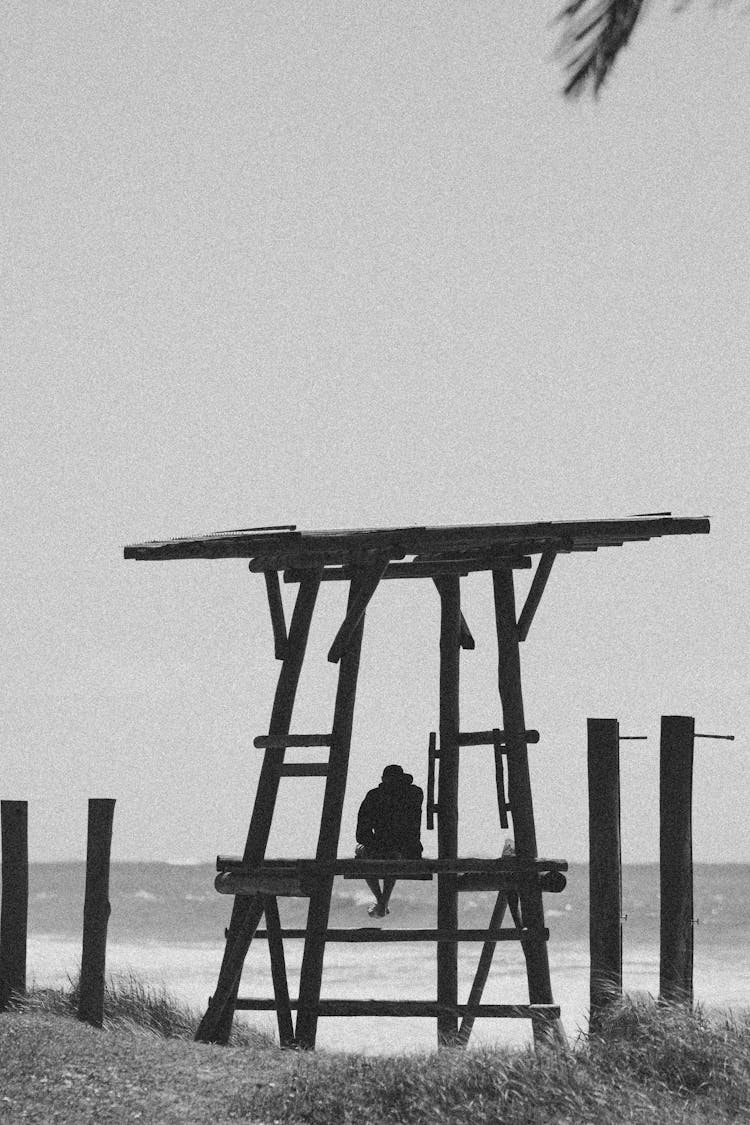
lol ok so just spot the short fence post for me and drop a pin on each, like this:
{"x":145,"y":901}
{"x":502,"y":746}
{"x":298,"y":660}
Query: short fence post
{"x":676,"y":859}
{"x":605,"y":867}
{"x":96,"y":912}
{"x":14,"y":907}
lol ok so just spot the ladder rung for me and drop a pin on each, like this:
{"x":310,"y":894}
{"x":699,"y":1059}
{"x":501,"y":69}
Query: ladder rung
{"x":304,"y":769}
{"x":375,"y":934}
{"x":408,"y":1008}
{"x":281,"y":741}
{"x":487,"y":738}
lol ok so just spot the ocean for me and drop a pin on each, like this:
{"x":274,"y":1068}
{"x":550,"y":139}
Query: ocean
{"x":167,"y":928}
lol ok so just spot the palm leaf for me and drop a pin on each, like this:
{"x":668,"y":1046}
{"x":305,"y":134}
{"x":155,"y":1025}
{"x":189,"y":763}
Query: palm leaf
{"x":595,"y":33}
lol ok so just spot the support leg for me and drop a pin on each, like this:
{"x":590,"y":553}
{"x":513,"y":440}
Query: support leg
{"x":483,"y":968}
{"x":278,"y":972}
{"x":328,"y":839}
{"x":215,"y":1027}
{"x":519,"y":793}
{"x":447,"y":907}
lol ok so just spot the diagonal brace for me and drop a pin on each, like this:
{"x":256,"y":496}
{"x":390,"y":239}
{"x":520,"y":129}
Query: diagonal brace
{"x":534,"y":595}
{"x":371,"y":573}
{"x":466,"y":640}
{"x":276,"y":607}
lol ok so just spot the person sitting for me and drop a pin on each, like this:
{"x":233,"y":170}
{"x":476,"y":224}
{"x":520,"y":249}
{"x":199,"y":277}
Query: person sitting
{"x":388,"y":827}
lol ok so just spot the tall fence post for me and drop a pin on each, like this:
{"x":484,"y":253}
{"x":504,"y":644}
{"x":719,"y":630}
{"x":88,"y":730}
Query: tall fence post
{"x":676,"y":859}
{"x":605,"y":867}
{"x":96,"y":911}
{"x":14,"y":906}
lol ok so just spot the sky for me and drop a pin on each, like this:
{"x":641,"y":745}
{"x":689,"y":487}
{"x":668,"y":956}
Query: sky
{"x":361,"y":264}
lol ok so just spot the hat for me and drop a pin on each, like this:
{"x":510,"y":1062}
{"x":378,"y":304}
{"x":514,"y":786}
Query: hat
{"x":392,"y":773}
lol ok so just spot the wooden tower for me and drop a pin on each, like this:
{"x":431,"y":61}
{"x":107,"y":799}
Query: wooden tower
{"x":362,"y":559}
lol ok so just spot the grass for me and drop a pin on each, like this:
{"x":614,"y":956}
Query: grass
{"x":649,"y":1064}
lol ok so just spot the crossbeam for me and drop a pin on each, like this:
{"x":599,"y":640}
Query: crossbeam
{"x":373,"y":934}
{"x":409,"y":1008}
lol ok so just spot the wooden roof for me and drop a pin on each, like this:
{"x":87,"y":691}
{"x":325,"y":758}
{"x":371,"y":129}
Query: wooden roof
{"x":478,"y":546}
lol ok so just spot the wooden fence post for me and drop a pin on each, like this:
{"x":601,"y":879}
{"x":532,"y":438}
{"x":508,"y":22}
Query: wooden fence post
{"x":676,"y":858}
{"x":605,"y":867}
{"x":15,"y":899}
{"x":96,"y":911}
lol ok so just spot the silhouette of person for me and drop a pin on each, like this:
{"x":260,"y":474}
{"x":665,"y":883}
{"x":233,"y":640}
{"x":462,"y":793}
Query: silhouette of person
{"x":388,"y":827}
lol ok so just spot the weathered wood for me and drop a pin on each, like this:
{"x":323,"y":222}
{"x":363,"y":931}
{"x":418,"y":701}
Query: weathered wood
{"x":263,"y":883}
{"x":416,"y":569}
{"x":398,"y":542}
{"x":96,"y":911}
{"x":492,"y":738}
{"x":484,"y":966}
{"x":376,"y":935}
{"x":511,"y":866}
{"x":411,"y":1008}
{"x":216,"y":1025}
{"x":330,"y":825}
{"x":519,"y":795}
{"x":605,"y":868}
{"x":14,"y":908}
{"x":447,"y":904}
{"x":276,"y":607}
{"x":304,"y":769}
{"x":278,"y":972}
{"x":502,"y":800}
{"x":280,"y":741}
{"x":676,"y":859}
{"x":534,"y":596}
{"x":366,"y":585}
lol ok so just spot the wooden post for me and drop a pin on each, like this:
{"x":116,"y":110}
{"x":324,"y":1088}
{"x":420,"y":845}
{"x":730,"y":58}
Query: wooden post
{"x":676,"y":859}
{"x":483,"y":968}
{"x":447,"y":904}
{"x":15,"y":899}
{"x":605,"y":867}
{"x":216,"y":1025}
{"x":311,"y":972}
{"x":278,"y":972}
{"x":520,"y":800}
{"x":96,"y":911}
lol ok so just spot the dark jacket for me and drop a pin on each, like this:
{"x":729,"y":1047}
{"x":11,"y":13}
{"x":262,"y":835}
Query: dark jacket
{"x":390,"y":819}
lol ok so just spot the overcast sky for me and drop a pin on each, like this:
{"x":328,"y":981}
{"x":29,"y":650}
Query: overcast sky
{"x":358,"y":264}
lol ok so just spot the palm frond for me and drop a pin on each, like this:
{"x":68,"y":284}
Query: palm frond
{"x":595,"y":32}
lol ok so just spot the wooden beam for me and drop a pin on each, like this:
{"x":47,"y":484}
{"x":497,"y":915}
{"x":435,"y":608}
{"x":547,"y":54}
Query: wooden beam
{"x":492,"y":738}
{"x":281,"y":741}
{"x":366,"y":585}
{"x":411,"y":1008}
{"x":375,"y":935}
{"x":14,"y":911}
{"x":534,"y":596}
{"x":676,"y":859}
{"x":519,"y":793}
{"x":513,"y":866}
{"x":605,"y":868}
{"x":96,"y":911}
{"x":311,"y":971}
{"x":276,"y":607}
{"x":216,"y":1025}
{"x":447,"y":906}
{"x":483,"y":967}
{"x":422,"y":569}
{"x":278,"y":972}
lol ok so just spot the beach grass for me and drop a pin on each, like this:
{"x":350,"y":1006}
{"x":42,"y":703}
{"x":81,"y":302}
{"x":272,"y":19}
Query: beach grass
{"x":650,"y":1064}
